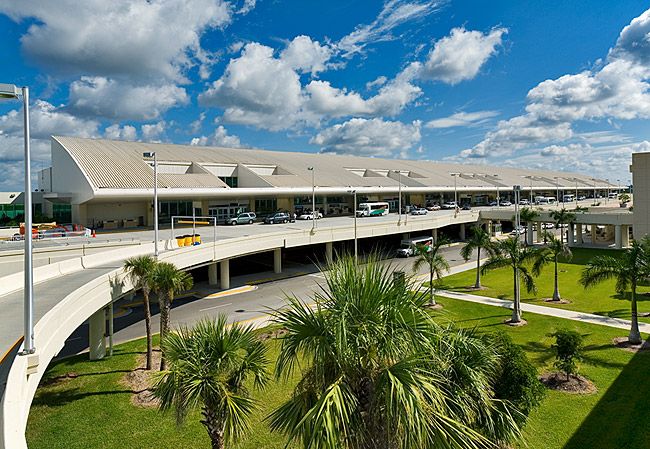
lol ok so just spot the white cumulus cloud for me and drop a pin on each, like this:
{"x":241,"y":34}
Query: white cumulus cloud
{"x":369,"y":137}
{"x":219,"y":138}
{"x":102,"y":97}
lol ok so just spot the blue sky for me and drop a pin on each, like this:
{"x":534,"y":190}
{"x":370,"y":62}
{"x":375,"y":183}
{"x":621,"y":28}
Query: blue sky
{"x":546,"y":84}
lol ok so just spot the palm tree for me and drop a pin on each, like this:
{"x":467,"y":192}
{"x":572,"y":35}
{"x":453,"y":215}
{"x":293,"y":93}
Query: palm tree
{"x":480,"y":239}
{"x":628,"y":270}
{"x":510,"y":253}
{"x":550,"y":254}
{"x":377,"y":372}
{"x":208,"y":367}
{"x":562,"y":217}
{"x":167,"y":281}
{"x":139,"y":270}
{"x":430,"y":256}
{"x":528,"y":215}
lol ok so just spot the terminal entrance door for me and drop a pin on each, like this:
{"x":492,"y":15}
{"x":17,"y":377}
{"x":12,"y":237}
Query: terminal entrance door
{"x":223,"y":213}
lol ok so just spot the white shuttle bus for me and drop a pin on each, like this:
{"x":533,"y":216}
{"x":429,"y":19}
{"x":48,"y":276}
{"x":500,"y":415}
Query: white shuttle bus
{"x":372,"y":209}
{"x":409,"y":247}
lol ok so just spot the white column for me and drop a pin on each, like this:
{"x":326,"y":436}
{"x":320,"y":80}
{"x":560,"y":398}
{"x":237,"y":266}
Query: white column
{"x":329,"y":252}
{"x":434,"y":234}
{"x":406,"y":235}
{"x":277,"y":260}
{"x":97,"y":335}
{"x":529,"y":232}
{"x":625,"y":236}
{"x":578,"y":234}
{"x":593,"y":233}
{"x":212,"y":274}
{"x":571,"y":234}
{"x":225,"y":274}
{"x":618,"y":237}
{"x":461,"y":234}
{"x":538,"y":236}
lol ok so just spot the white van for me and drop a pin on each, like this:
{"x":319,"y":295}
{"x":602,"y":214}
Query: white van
{"x":408,"y":247}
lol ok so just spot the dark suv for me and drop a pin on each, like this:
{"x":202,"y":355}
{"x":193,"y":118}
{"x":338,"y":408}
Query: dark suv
{"x":278,"y":217}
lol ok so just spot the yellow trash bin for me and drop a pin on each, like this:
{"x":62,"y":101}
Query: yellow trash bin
{"x":180,"y":239}
{"x":188,"y":240}
{"x":197,"y":239}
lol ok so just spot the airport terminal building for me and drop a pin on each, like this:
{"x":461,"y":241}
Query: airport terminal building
{"x":109,"y":184}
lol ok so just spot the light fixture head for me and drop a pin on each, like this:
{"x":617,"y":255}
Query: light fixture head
{"x":149,"y":154}
{"x":310,"y":168}
{"x":9,"y":91}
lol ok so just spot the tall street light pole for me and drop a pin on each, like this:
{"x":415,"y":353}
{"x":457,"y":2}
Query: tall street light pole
{"x":10,"y":91}
{"x":576,"y":180}
{"x":354,"y":194}
{"x":557,"y":190}
{"x":314,"y":216}
{"x":152,"y":154}
{"x":516,"y":313}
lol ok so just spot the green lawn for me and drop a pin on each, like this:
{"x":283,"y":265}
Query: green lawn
{"x":601,"y":300}
{"x":94,"y":409}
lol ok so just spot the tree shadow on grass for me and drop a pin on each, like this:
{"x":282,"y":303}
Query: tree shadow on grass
{"x":616,"y":421}
{"x":60,"y":397}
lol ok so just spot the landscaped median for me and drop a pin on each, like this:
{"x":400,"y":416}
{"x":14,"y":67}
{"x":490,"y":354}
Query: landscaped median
{"x":600,"y":300}
{"x":83,"y":404}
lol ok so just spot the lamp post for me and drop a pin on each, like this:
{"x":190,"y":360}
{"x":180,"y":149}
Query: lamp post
{"x":576,"y":180}
{"x":10,"y":91}
{"x":313,"y":198}
{"x":455,"y":175}
{"x":516,"y":313}
{"x":152,"y":154}
{"x":557,"y":190}
{"x":618,"y":187}
{"x":354,"y":194}
{"x":607,"y":196}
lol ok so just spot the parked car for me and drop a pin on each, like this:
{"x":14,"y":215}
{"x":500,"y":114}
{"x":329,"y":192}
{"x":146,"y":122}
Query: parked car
{"x":548,"y":225}
{"x":420,"y":211}
{"x":524,"y":202}
{"x":449,"y":205}
{"x":49,"y":233}
{"x":466,"y":206}
{"x":493,"y":204}
{"x":506,"y":203}
{"x":518,"y":231}
{"x":582,"y":198}
{"x":310,"y":216}
{"x":245,"y":218}
{"x":278,"y":217}
{"x":433,"y":207}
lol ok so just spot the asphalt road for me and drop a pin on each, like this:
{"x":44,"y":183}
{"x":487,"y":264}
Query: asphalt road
{"x":238,"y":306}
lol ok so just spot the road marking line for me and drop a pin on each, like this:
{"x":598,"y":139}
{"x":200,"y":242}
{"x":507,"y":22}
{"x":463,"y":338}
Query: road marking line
{"x":216,"y":307}
{"x":232,"y":291}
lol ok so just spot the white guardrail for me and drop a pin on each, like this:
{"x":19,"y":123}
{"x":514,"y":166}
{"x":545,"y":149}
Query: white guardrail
{"x":52,"y":330}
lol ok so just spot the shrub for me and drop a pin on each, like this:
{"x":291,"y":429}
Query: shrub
{"x":516,"y":380}
{"x":568,"y":351}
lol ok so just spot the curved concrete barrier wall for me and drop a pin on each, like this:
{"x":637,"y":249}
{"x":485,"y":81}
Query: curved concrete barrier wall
{"x":53,"y":329}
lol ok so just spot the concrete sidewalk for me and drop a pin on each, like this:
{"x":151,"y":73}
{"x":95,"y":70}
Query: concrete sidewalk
{"x":548,"y":311}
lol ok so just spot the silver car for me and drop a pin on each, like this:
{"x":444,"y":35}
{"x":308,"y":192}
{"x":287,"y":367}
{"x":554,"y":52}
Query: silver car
{"x":245,"y":218}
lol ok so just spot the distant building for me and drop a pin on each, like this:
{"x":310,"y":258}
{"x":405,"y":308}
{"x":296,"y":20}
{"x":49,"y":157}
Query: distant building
{"x":109,"y":183}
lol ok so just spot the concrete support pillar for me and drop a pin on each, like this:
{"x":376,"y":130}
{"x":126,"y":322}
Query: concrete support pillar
{"x":625,"y":236}
{"x":97,"y":335}
{"x":571,"y":234}
{"x":540,"y":231}
{"x":578,"y":234}
{"x":406,"y":235}
{"x":461,"y":234}
{"x":277,"y":260}
{"x":329,"y":252}
{"x":212,"y":273}
{"x":593,"y":233}
{"x":225,"y":274}
{"x":618,"y":237}
{"x":434,"y":234}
